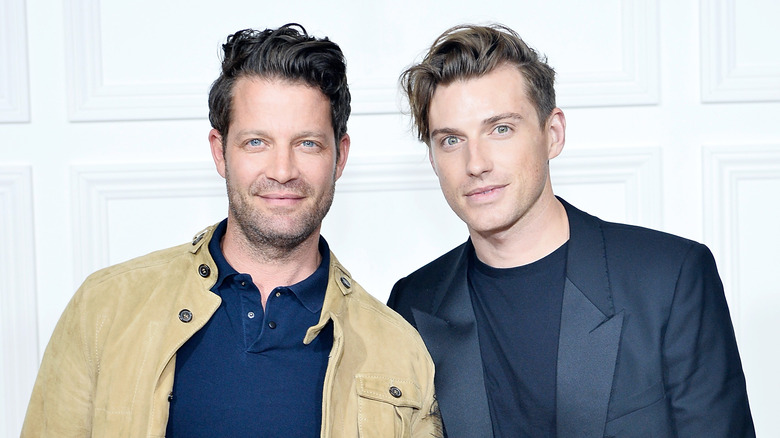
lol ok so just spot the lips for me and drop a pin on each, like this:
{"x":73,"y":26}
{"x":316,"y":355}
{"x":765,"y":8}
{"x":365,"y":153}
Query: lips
{"x":281,"y":196}
{"x":483,"y":191}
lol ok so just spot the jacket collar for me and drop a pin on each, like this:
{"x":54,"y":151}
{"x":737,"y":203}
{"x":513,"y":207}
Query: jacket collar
{"x":589,"y":330}
{"x":340,"y":285}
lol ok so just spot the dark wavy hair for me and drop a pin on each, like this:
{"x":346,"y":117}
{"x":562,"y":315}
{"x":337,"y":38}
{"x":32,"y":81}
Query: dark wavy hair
{"x":469,"y":51}
{"x":287,"y":53}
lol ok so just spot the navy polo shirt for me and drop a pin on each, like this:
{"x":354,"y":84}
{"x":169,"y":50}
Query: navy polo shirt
{"x":247,"y":371}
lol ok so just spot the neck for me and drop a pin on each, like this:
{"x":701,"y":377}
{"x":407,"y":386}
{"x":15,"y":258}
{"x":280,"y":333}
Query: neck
{"x":271,"y":267}
{"x":536,"y":235}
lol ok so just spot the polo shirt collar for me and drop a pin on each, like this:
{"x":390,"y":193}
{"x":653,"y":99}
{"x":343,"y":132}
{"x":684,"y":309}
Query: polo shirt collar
{"x":310,"y":291}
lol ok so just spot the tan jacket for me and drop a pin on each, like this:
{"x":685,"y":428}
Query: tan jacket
{"x":108,"y":368}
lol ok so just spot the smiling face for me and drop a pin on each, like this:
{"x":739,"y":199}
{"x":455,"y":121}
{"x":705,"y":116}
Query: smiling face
{"x":490,"y":153}
{"x":279,"y":161}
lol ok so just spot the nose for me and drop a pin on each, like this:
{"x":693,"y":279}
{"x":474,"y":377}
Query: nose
{"x":282,"y":167}
{"x":478,"y":159}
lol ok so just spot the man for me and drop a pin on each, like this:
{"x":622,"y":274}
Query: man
{"x":254,"y":328}
{"x":548,"y":321}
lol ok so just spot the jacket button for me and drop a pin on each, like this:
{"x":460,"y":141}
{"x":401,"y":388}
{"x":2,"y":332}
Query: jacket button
{"x":395,"y":392}
{"x":185,"y":315}
{"x":204,"y":270}
{"x":346,"y":282}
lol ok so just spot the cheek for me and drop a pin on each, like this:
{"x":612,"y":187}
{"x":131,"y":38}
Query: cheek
{"x":242,"y":172}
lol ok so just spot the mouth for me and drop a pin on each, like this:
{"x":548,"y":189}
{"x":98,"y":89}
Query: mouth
{"x":281,"y":200}
{"x":281,"y":196}
{"x":484,"y":191}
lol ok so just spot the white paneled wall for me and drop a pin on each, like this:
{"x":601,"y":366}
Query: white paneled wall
{"x":18,"y":330}
{"x":671,"y":111}
{"x":737,"y":65}
{"x":14,"y":103}
{"x":741,"y":184}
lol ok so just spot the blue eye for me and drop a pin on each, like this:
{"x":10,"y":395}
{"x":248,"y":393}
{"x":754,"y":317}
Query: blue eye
{"x":450,"y":141}
{"x":255,"y":142}
{"x":308,"y":144}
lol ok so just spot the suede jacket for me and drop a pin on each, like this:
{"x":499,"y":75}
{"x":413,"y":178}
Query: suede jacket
{"x":108,"y":368}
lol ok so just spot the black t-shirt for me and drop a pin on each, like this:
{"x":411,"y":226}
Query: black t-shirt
{"x":518,"y":313}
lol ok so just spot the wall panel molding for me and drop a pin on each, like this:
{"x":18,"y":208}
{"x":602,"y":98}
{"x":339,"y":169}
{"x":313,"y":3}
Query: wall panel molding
{"x":18,"y":313}
{"x":394,"y":173}
{"x":93,"y":97}
{"x":14,"y":93}
{"x":637,"y":170}
{"x":725,"y":169}
{"x":637,"y":81}
{"x":723,"y":78}
{"x":95,"y":186}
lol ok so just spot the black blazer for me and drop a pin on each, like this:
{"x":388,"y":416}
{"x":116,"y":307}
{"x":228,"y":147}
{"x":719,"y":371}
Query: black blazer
{"x":646,"y":345}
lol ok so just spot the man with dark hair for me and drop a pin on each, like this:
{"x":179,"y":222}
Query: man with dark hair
{"x":254,"y":328}
{"x":549,"y":322}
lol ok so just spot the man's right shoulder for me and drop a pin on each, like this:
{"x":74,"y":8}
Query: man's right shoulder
{"x":417,"y":289}
{"x":435,"y":268}
{"x":155,"y":261}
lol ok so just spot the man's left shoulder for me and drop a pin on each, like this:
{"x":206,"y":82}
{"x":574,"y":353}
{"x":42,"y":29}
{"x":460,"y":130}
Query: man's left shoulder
{"x":616,"y":232}
{"x":633,"y":245}
{"x":652,"y":242}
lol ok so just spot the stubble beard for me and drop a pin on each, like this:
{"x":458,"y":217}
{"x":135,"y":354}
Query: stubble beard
{"x":264,"y":232}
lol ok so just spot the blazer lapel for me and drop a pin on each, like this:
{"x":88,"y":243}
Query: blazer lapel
{"x":450,"y":333}
{"x":589,"y":335}
{"x":587,"y":351}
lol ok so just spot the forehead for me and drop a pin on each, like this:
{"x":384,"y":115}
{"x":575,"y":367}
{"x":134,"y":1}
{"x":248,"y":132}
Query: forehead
{"x":259,"y":88}
{"x":271,"y":100}
{"x":501,"y":90}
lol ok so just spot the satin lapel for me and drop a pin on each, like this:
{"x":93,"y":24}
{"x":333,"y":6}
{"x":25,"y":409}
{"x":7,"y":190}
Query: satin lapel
{"x":450,"y":334}
{"x":590,"y":332}
{"x":587,"y":351}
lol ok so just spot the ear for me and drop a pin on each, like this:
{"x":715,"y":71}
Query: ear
{"x":556,"y":129}
{"x":343,"y":154}
{"x":217,"y":151}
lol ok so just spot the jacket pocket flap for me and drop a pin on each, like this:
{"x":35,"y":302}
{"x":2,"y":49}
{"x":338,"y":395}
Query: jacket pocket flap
{"x":397,"y":392}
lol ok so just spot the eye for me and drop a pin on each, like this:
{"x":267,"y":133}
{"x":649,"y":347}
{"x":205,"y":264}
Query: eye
{"x":308,"y":144}
{"x":502,"y":129}
{"x":255,"y":142}
{"x":450,"y":140}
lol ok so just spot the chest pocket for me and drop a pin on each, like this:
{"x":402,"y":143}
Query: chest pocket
{"x":386,"y":405}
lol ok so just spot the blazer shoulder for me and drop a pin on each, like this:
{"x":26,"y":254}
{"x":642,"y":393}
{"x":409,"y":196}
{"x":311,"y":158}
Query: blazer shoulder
{"x":624,"y":238}
{"x":418,"y":289}
{"x":431,"y":271}
{"x":655,"y":243}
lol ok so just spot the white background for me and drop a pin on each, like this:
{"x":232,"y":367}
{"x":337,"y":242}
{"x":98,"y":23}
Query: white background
{"x":672,"y":110}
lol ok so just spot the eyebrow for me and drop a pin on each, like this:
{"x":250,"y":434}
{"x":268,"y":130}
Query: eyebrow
{"x":500,"y":117}
{"x":445,"y":131}
{"x":315,"y":134}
